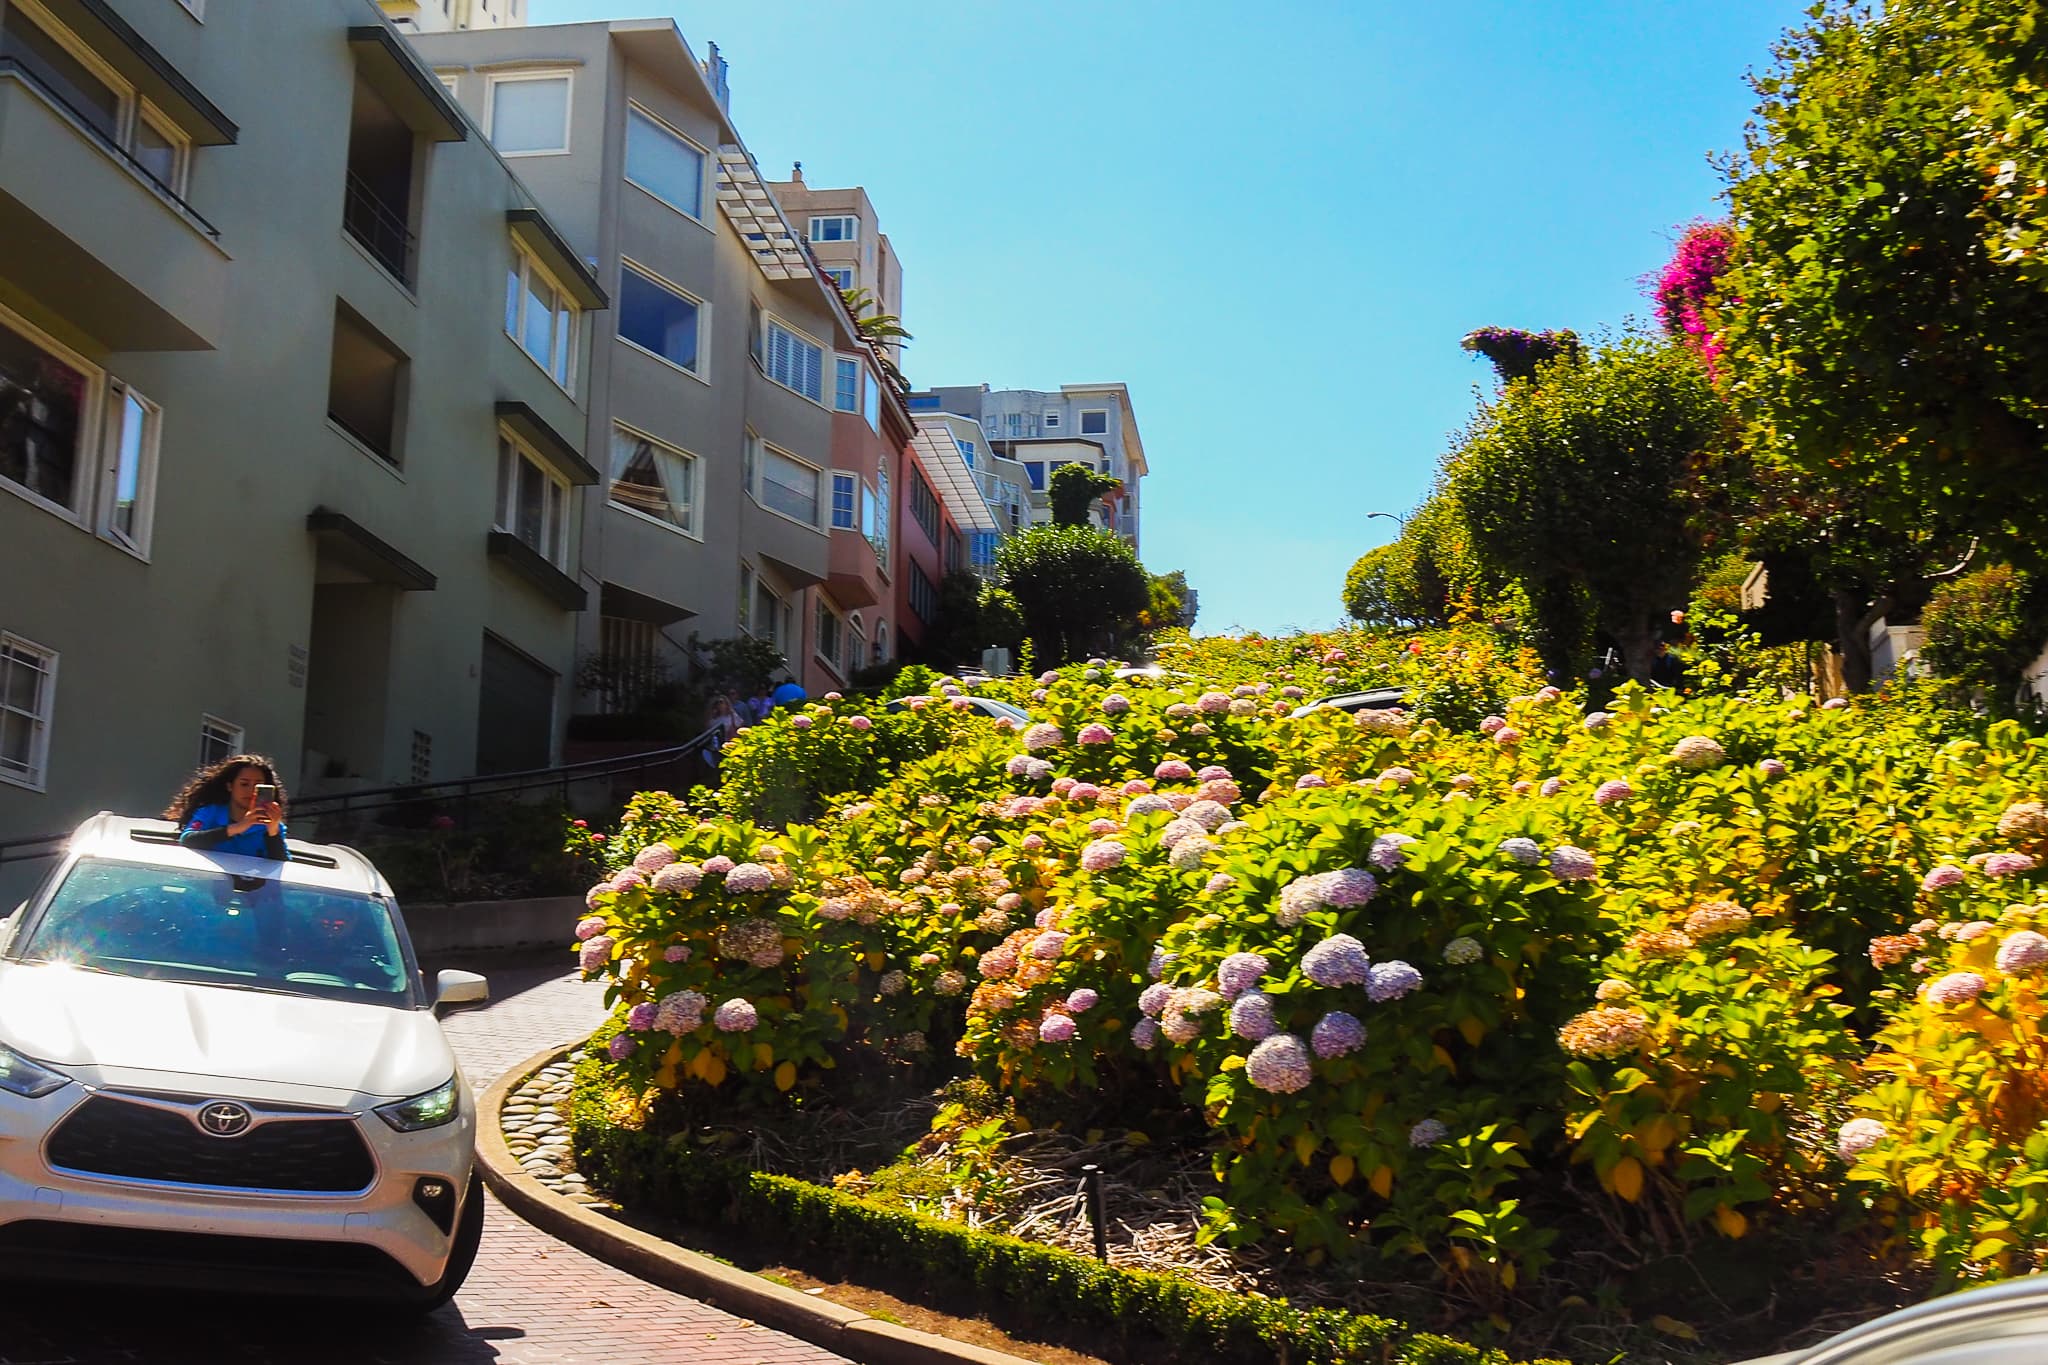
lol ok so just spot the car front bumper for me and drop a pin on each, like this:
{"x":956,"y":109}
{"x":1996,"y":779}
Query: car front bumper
{"x":65,"y":1223}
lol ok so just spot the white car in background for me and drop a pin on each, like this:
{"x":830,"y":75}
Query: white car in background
{"x":222,"y":1072}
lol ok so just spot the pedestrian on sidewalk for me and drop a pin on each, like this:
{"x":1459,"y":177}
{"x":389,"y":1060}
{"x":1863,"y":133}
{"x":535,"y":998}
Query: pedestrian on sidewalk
{"x":234,"y":806}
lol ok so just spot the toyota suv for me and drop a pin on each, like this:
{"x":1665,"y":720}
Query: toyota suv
{"x":219,"y":1071}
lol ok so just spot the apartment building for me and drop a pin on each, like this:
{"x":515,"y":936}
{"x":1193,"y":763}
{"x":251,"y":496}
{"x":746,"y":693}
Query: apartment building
{"x":847,"y":238}
{"x":284,"y":463}
{"x":1000,"y":481}
{"x":1039,"y":430}
{"x":742,"y":423}
{"x":441,"y":16}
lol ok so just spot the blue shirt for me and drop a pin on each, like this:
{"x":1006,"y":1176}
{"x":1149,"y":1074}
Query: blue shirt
{"x":789,"y":694}
{"x":251,"y":842}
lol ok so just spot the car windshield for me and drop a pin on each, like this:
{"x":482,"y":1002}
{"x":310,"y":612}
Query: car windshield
{"x":220,"y":929}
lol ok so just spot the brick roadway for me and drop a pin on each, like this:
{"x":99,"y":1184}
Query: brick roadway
{"x":531,"y":1300}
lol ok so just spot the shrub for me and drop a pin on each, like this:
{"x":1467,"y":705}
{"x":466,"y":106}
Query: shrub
{"x":1983,"y":630}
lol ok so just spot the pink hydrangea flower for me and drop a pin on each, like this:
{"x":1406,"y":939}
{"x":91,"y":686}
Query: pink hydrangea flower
{"x":589,"y":928}
{"x":1772,"y":769}
{"x":1280,"y":1065}
{"x":1179,"y":800}
{"x":718,"y":865}
{"x":1569,"y":864}
{"x":2008,"y":864}
{"x":1308,"y":780}
{"x":860,"y":722}
{"x":1102,"y":855}
{"x":1102,"y":826}
{"x":1033,"y":843}
{"x":1946,"y":875}
{"x":1084,"y":794}
{"x":1507,"y":736}
{"x":1612,"y":792}
{"x":678,"y":878}
{"x":1044,"y":735}
{"x":1063,"y":786}
{"x":654,"y":858}
{"x":1491,"y":725}
{"x":676,"y":952}
{"x":626,"y":878}
{"x":590,"y":897}
{"x":1173,"y":770}
{"x":1551,"y":786}
{"x":1137,"y":786}
{"x":595,"y":953}
{"x":641,"y":1017}
{"x":800,"y":722}
{"x":1095,"y":732}
{"x":1858,"y":1136}
{"x":2022,"y":951}
{"x":1115,"y":704}
{"x":1957,"y":988}
{"x":1598,"y":720}
{"x":1835,"y":704}
{"x":1056,"y":1028}
{"x":1218,"y":884}
{"x":735,"y":1016}
{"x":746,"y":878}
{"x":1049,"y":944}
{"x":1082,"y":1000}
{"x":1212,"y":703}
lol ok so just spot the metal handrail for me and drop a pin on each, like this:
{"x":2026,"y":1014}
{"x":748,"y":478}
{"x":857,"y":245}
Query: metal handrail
{"x":16,"y":67}
{"x":31,"y":848}
{"x":386,"y":234}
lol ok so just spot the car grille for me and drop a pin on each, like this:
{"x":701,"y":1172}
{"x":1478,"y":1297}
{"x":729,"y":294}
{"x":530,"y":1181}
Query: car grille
{"x":114,"y":1137}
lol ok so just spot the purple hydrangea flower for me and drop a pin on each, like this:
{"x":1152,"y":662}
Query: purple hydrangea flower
{"x":1348,"y":887}
{"x":641,"y":1017}
{"x":1337,"y":1033}
{"x":1145,"y":1034}
{"x":1427,"y":1133}
{"x":1569,"y":864}
{"x":680,"y":1013}
{"x":1551,"y":786}
{"x":1218,"y":884}
{"x":621,"y":1046}
{"x":1082,"y":1000}
{"x":676,"y":952}
{"x":1527,"y":852}
{"x":1280,"y":1065}
{"x":1309,"y":780}
{"x":1102,"y":855}
{"x":1154,"y":998}
{"x":1158,"y":962}
{"x":735,"y":1016}
{"x":1400,"y":777}
{"x":1017,"y":765}
{"x":1390,"y":981}
{"x":1339,"y":960}
{"x":1386,"y":852}
{"x":1240,"y":972}
{"x":678,"y":878}
{"x":1147,"y":804}
{"x":1251,"y":1016}
{"x":1957,"y":988}
{"x":1048,"y":945}
{"x":2022,"y":951}
{"x":746,"y":878}
{"x":1056,"y":1028}
{"x":1946,"y":875}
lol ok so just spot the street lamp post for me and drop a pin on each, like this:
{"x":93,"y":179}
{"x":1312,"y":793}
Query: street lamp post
{"x":1401,"y":521}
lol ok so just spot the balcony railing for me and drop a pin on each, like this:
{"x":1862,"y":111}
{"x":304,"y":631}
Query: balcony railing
{"x":379,"y":227}
{"x":11,"y":66}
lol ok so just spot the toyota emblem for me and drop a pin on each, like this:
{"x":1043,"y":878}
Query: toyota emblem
{"x":225,"y":1119}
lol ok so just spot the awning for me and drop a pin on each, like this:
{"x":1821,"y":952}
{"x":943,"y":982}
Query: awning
{"x":377,"y":560}
{"x":414,"y":93}
{"x":758,"y":219}
{"x":516,"y":555}
{"x":940,"y":456}
{"x":534,"y":232}
{"x":530,"y":427}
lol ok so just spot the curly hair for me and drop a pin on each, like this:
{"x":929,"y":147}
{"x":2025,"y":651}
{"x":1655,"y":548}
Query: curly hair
{"x":209,"y":786}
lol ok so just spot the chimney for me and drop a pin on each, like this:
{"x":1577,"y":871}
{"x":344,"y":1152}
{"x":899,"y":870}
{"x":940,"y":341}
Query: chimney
{"x":796,"y":172}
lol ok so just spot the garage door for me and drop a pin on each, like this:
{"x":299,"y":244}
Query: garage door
{"x":515,"y":715}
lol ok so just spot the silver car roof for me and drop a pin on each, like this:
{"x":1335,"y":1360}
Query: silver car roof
{"x":135,"y":839}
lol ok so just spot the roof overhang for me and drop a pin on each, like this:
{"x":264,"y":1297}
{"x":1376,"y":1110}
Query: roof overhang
{"x":116,"y":42}
{"x":532,"y":230}
{"x":748,"y":205}
{"x":657,"y":46}
{"x":547,"y":443}
{"x":522,"y":559}
{"x":941,"y":459}
{"x":375,"y":559}
{"x":389,"y":67}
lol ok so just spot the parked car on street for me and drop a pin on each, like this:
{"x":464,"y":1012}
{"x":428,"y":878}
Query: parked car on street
{"x":1996,"y":1324}
{"x":991,"y":707}
{"x":218,"y":1071}
{"x":1377,"y":699}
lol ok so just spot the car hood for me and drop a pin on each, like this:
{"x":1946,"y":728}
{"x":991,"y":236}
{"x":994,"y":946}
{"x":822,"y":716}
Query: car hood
{"x":126,"y":1032}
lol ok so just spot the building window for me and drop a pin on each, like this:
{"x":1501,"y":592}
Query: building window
{"x":659,"y":318}
{"x":871,"y":399}
{"x":874,"y":523}
{"x":746,"y":603}
{"x":653,"y":479}
{"x":845,"y":501}
{"x":1034,"y":470}
{"x":789,"y":486}
{"x":795,"y":362}
{"x":881,"y":642}
{"x":856,"y":646}
{"x":966,"y":450}
{"x":956,"y":551}
{"x":771,"y":616}
{"x":922,"y":402}
{"x":130,"y":469}
{"x":95,"y":94}
{"x":985,"y":546}
{"x":1052,"y":421}
{"x":528,"y":113}
{"x":533,"y":504}
{"x":846,"y":384}
{"x":632,"y":669}
{"x":663,"y":162}
{"x":541,"y":317}
{"x":924,"y":507}
{"x":830,"y":639}
{"x":28,"y":695}
{"x":46,"y":401}
{"x":836,"y":229}
{"x":366,"y":385}
{"x":1094,"y":421}
{"x":218,"y":739}
{"x":840,"y":275}
{"x":924,"y":598}
{"x":1013,"y":422}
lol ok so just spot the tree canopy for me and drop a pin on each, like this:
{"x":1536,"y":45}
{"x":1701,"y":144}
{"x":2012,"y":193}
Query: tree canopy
{"x":1078,"y":588}
{"x":1074,"y":489}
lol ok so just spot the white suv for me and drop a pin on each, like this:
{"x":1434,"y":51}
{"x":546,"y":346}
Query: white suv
{"x":219,"y":1071}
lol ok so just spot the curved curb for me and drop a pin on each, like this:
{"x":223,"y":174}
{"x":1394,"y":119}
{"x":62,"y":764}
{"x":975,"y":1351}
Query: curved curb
{"x":847,"y":1331}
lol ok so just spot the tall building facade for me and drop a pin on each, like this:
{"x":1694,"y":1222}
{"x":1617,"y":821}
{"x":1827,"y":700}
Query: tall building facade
{"x":1039,"y":431}
{"x":284,"y":464}
{"x":846,"y":236}
{"x":743,"y":427}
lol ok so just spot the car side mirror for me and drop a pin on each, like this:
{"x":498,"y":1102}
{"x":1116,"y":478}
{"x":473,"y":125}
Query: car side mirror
{"x":455,"y":990}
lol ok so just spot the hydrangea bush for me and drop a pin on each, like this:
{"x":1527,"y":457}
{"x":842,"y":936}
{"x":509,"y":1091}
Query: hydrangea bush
{"x":1428,"y":977}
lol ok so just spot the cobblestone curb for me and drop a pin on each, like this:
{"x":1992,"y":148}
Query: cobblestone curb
{"x":524,"y":1169}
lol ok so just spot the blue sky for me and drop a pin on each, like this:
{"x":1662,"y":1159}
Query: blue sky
{"x":1272,"y":221}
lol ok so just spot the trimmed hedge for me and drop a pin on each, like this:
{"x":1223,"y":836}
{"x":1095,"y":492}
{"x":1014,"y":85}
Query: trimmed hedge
{"x":1128,"y":1314}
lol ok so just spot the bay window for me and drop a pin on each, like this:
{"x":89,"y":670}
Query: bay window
{"x":541,"y":317}
{"x":794,"y":361}
{"x":654,"y":479}
{"x":533,"y":503}
{"x":789,"y":486}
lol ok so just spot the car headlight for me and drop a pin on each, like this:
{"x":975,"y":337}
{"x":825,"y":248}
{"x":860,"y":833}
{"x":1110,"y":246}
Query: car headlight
{"x":428,"y":1110}
{"x":20,"y":1076}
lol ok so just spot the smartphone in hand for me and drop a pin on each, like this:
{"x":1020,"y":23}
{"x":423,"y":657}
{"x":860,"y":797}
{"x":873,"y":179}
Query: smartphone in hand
{"x":266,"y":794}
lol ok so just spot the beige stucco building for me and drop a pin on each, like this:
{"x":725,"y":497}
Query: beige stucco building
{"x":291,"y":438}
{"x":846,"y":235}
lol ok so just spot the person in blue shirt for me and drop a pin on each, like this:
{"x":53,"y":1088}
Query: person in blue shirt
{"x":791,"y":694}
{"x":219,"y":811}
